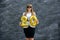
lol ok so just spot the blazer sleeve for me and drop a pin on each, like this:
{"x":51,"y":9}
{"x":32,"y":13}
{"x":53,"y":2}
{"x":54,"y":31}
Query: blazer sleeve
{"x":37,"y":18}
{"x":22,"y":15}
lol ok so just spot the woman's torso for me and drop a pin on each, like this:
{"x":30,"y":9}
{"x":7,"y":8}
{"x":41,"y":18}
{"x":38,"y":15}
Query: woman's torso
{"x":28,"y":15}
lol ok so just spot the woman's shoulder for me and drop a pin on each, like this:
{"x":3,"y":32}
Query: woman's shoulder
{"x":23,"y":13}
{"x":34,"y":13}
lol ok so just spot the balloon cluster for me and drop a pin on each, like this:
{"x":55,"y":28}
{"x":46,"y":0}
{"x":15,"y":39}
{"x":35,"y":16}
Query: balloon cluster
{"x":24,"y":22}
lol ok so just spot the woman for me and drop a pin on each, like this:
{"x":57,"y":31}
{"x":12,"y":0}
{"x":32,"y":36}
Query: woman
{"x":30,"y":31}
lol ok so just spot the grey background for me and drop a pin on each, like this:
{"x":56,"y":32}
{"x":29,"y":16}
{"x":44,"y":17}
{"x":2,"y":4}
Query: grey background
{"x":48,"y":13}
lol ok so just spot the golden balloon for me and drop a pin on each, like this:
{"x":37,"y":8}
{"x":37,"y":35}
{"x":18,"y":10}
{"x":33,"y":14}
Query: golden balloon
{"x":33,"y":20}
{"x":24,"y":21}
{"x":24,"y":18}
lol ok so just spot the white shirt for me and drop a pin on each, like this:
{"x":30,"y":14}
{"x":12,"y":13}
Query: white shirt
{"x":28,"y":15}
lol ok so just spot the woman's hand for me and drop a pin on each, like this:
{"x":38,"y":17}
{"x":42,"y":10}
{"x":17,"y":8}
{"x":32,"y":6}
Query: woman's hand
{"x":37,"y":21}
{"x":19,"y":23}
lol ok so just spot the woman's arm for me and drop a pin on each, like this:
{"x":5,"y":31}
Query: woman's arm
{"x":37,"y":19}
{"x":20,"y":19}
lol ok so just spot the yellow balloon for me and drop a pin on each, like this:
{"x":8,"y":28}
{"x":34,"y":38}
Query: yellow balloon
{"x":24,"y":22}
{"x":24,"y":18}
{"x":33,"y":20}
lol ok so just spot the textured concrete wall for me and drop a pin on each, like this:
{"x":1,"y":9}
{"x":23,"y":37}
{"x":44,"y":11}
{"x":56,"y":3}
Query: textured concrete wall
{"x":48,"y":13}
